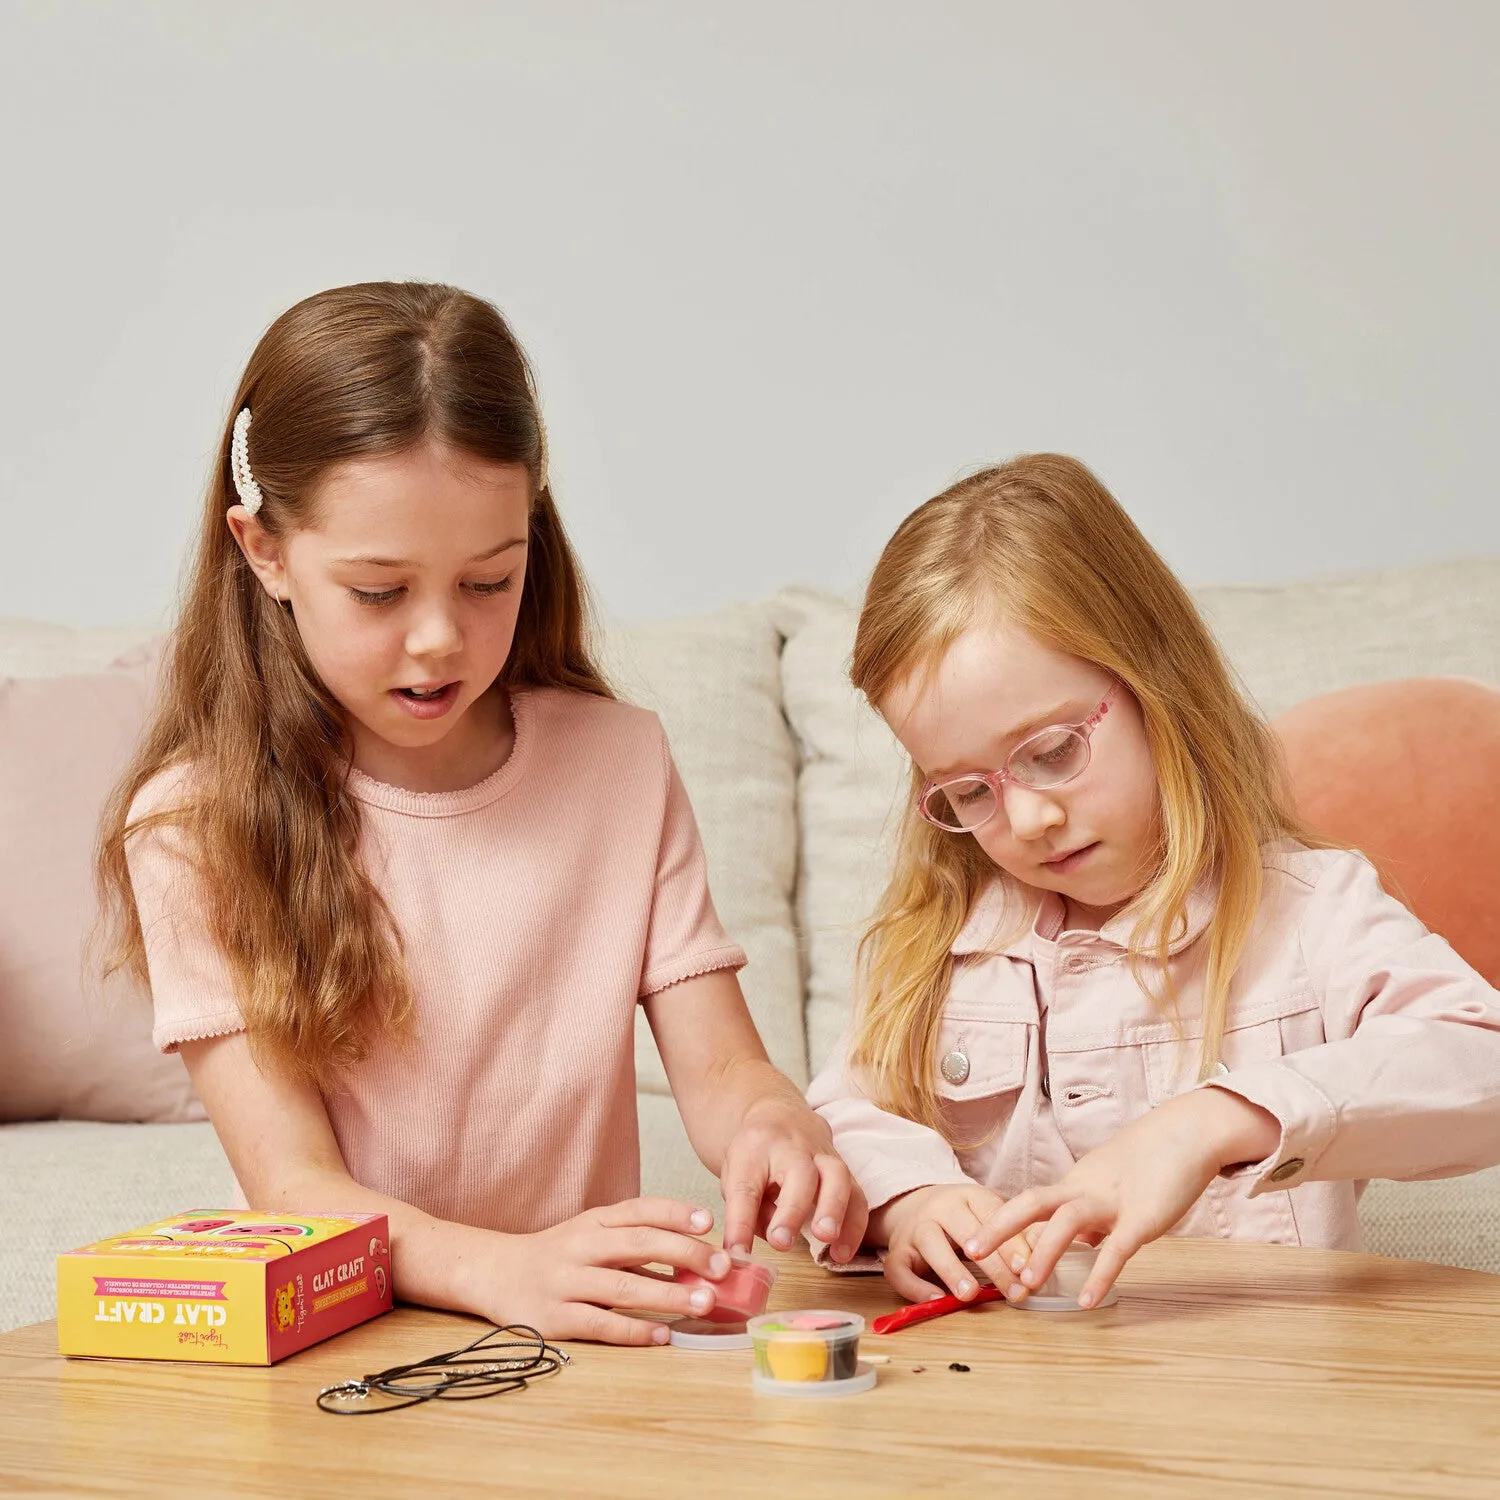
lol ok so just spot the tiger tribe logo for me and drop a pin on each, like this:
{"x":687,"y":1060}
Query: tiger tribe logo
{"x":286,"y":1307}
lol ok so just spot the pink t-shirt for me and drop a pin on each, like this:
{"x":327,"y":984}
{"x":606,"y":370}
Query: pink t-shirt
{"x":537,"y":908}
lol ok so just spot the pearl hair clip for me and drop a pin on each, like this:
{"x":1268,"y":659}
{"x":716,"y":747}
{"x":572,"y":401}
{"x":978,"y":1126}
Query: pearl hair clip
{"x":250,"y":493}
{"x":239,"y":464}
{"x":542,"y":476}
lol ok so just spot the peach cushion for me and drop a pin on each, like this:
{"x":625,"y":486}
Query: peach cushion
{"x":70,"y":1047}
{"x":1409,"y":773}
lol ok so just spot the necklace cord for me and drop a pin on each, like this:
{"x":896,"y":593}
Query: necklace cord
{"x":468,"y":1374}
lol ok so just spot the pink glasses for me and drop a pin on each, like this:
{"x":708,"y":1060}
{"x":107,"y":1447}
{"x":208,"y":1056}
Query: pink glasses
{"x":1047,"y":758}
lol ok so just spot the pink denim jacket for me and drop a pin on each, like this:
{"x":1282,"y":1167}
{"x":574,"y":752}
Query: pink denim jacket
{"x":1372,"y":1042}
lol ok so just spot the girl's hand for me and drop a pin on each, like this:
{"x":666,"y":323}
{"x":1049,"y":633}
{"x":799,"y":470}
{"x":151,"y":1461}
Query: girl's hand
{"x":774,"y":1156}
{"x":780,"y":1171}
{"x":1134,"y":1188}
{"x":566,"y":1281}
{"x":922,"y":1228}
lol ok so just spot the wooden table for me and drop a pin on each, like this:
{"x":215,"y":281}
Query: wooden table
{"x":1225,"y":1370}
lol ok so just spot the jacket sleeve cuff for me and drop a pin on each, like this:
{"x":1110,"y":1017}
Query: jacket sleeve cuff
{"x":1305,"y":1113}
{"x":869,"y":1260}
{"x":881,"y":1189}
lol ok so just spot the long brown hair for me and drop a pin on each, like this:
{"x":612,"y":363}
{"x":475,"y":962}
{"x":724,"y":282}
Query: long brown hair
{"x":264,"y":812}
{"x":1040,"y":542}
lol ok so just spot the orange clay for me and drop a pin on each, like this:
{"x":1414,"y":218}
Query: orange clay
{"x":797,"y":1359}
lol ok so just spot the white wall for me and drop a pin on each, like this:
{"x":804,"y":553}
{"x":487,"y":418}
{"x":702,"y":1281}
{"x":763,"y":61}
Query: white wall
{"x":785,"y":268}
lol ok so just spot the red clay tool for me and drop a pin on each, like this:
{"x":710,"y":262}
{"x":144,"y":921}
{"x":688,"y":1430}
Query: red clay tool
{"x":919,"y":1312}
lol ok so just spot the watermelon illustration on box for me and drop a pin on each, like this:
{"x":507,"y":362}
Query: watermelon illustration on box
{"x":232,"y":1287}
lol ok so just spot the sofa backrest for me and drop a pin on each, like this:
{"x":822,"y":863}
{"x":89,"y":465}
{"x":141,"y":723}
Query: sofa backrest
{"x":796,"y":782}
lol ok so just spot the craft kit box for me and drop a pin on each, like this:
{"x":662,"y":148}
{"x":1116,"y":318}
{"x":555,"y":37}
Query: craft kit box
{"x":234,"y":1287}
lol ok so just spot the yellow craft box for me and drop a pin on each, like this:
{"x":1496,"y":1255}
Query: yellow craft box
{"x":232,"y":1286}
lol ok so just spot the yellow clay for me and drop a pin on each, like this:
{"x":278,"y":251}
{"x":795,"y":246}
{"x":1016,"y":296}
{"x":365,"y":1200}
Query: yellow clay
{"x":797,"y":1359}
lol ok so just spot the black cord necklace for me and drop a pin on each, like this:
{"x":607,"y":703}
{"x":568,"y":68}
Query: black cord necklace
{"x":468,"y":1374}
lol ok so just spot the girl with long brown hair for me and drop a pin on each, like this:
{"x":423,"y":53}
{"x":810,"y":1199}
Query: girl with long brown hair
{"x":1114,"y":988}
{"x":398,"y":867}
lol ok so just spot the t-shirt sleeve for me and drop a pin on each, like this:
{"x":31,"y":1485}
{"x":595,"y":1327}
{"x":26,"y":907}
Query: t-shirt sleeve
{"x":684,"y":938}
{"x":192,"y":990}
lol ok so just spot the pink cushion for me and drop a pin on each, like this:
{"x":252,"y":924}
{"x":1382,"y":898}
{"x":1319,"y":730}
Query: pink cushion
{"x":70,"y":1047}
{"x":1407,"y":772}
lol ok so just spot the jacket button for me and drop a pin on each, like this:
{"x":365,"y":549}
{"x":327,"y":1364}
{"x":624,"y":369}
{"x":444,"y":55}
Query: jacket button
{"x":1288,"y":1168}
{"x":954,"y":1067}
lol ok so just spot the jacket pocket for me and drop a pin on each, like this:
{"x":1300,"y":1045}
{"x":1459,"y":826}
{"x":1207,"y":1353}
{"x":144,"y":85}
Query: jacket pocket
{"x":1269,"y":1030}
{"x":1265,"y":1032}
{"x":981,"y":1072}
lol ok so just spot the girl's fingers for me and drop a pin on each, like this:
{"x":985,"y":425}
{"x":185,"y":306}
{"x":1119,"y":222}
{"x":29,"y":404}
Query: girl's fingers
{"x":744,"y":1185}
{"x":1000,"y":1267}
{"x":899,"y":1272}
{"x":579,"y":1320}
{"x":639,"y":1245}
{"x":1032,"y":1235}
{"x":1015,"y":1253}
{"x":1004,"y":1267}
{"x":932,"y":1243}
{"x":1060,"y":1232}
{"x":980,"y":1204}
{"x":835,"y":1189}
{"x":767,"y":1210}
{"x":1027,"y":1208}
{"x":629,"y":1291}
{"x":963,"y":1223}
{"x":656,"y":1213}
{"x":794,"y":1203}
{"x":1113,"y":1254}
{"x":852,"y":1233}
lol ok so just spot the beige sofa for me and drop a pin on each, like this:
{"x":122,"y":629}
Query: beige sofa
{"x":794,"y":785}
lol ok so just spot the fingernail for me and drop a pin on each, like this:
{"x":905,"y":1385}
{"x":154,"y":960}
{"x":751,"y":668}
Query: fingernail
{"x":1085,"y":1299}
{"x":1015,"y":1293}
{"x":972,"y":1248}
{"x":701,"y":1300}
{"x":660,"y":1335}
{"x":740,"y":1249}
{"x":1018,"y":1263}
{"x":701,"y":1220}
{"x":935,"y":1297}
{"x":1029,"y":1276}
{"x":965,"y":1288}
{"x":718,"y":1263}
{"x":781,"y":1237}
{"x":827,"y":1229}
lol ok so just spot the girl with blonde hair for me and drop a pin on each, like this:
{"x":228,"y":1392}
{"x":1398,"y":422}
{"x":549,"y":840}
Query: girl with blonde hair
{"x":398,"y":868}
{"x":1114,"y":988}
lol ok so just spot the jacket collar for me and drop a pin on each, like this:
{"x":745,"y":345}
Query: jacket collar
{"x":1009,"y":918}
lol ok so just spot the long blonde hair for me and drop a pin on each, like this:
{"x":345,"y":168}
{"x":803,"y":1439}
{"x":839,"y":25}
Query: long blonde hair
{"x":1041,"y":543}
{"x":269,"y":823}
